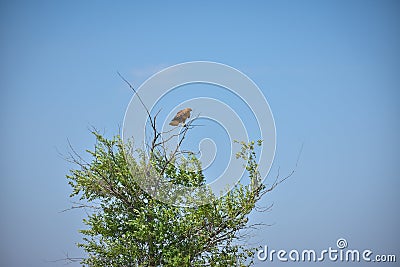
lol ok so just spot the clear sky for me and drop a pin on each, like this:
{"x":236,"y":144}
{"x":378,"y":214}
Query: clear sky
{"x":329,"y":70}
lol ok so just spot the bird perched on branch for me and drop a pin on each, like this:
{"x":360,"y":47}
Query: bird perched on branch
{"x":181,"y":117}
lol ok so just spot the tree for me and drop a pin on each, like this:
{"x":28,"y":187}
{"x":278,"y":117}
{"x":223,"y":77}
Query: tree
{"x":129,"y":227}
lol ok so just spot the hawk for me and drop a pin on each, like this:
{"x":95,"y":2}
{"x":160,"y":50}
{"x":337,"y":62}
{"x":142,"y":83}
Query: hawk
{"x":181,"y":117}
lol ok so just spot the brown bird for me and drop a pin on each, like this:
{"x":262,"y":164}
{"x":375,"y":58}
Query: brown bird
{"x":181,"y":117}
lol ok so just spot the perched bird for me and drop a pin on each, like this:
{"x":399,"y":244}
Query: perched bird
{"x":181,"y":117}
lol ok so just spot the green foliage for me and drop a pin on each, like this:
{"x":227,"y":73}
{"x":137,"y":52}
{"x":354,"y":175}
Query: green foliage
{"x":128,"y":227}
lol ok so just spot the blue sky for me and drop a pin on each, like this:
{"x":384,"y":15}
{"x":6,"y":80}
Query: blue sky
{"x":329,"y":70}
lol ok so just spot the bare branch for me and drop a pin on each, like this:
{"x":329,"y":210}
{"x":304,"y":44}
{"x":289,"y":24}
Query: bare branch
{"x":67,"y":259}
{"x":78,"y":205}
